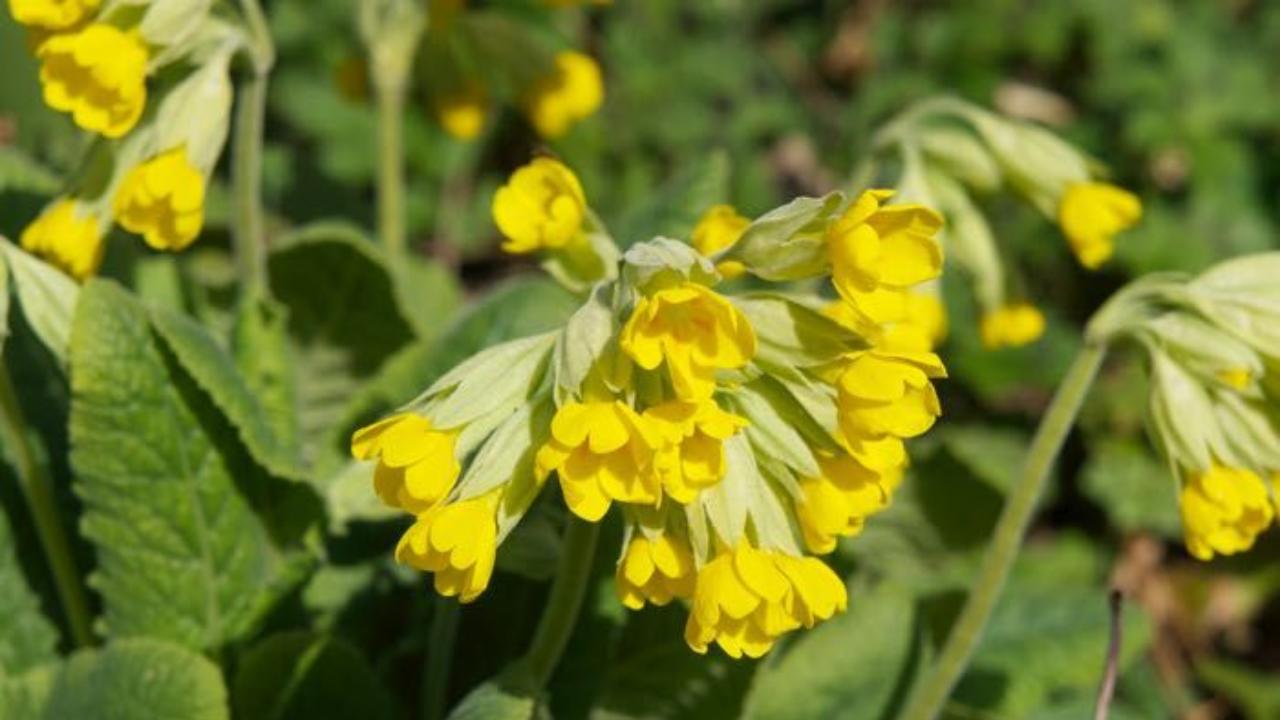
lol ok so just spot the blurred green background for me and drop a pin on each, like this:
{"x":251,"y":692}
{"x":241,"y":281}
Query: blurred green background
{"x":753,"y":102}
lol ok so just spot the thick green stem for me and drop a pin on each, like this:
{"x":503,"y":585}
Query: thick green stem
{"x":391,"y":209}
{"x":37,"y":487}
{"x":248,"y":226}
{"x":929,"y":698}
{"x":440,"y":642}
{"x":561,"y":612}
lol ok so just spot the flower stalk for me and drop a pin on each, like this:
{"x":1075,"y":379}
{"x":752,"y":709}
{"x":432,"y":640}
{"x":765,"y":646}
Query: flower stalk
{"x":930,"y":698}
{"x":37,"y":487}
{"x":561,"y":613}
{"x":248,"y":225}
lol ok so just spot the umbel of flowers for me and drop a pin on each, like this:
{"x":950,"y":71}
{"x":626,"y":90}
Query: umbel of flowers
{"x":951,"y":153}
{"x":151,"y":81}
{"x":739,"y":434}
{"x":1213,"y":346}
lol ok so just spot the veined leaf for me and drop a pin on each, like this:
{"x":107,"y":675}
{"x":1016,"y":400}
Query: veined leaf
{"x":138,"y":679}
{"x":172,"y":501}
{"x":27,"y":638}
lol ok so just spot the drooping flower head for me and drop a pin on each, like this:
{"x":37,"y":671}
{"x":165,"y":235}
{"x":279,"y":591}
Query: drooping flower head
{"x":692,"y":329}
{"x":1091,"y":214}
{"x":1223,"y":511}
{"x":888,"y":394}
{"x":68,"y":236}
{"x":542,"y":206}
{"x":655,"y":571}
{"x":1012,"y":326}
{"x":571,"y":92}
{"x":163,"y":200}
{"x":52,"y":14}
{"x":98,"y":75}
{"x":416,"y":467}
{"x":457,"y":542}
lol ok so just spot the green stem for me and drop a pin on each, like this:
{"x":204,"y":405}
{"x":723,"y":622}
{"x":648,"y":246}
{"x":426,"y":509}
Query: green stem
{"x":440,"y":641}
{"x":391,"y":210}
{"x":929,"y":698}
{"x":561,"y":612}
{"x":248,"y":226}
{"x":37,"y":486}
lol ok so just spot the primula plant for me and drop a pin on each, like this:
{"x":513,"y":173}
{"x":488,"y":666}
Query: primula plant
{"x":519,"y":359}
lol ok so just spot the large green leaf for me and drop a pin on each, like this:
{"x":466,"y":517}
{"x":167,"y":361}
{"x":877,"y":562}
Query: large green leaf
{"x":25,"y":696}
{"x":185,"y":525}
{"x":852,"y":666}
{"x":138,"y":679}
{"x":27,"y":638}
{"x":301,"y":675}
{"x":1135,"y":490}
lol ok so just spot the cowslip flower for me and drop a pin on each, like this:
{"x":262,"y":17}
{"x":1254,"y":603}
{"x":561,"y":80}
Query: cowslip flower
{"x":602,"y":451}
{"x":416,"y":467}
{"x":98,"y":75}
{"x":571,"y":92}
{"x":922,"y":327}
{"x":695,"y":331}
{"x":68,"y":236}
{"x":542,"y":206}
{"x":1223,"y":510}
{"x":746,"y":598}
{"x":718,"y":228}
{"x":877,"y":251}
{"x":655,"y":571}
{"x":463,"y":113}
{"x":886,"y":393}
{"x":838,"y":502}
{"x":692,"y":457}
{"x":52,"y":14}
{"x":458,"y":542}
{"x":162,"y":200}
{"x":1091,"y":214}
{"x":1013,"y":325}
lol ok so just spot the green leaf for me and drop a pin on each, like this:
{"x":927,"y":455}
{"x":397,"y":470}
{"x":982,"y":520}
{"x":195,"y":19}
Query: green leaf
{"x":1136,"y":491}
{"x":180,"y":516}
{"x":27,"y":638}
{"x":850,"y":666}
{"x":25,"y":696}
{"x":264,"y":358}
{"x":138,"y":679}
{"x":1256,"y":693}
{"x":303,"y":675}
{"x":47,"y":297}
{"x":20,"y":173}
{"x":505,"y":697}
{"x":995,"y":455}
{"x":675,"y":208}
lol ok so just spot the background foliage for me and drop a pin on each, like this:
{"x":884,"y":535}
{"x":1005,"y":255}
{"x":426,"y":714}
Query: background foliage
{"x":239,"y":558}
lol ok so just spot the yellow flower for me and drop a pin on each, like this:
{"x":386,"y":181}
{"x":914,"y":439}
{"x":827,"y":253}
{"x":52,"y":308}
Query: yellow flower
{"x":878,"y":251}
{"x":457,"y":542}
{"x":97,"y":74}
{"x":602,"y":451}
{"x":882,"y":392}
{"x":718,"y":228}
{"x":837,"y":503}
{"x":51,"y":14}
{"x":573,"y":90}
{"x":1237,"y":378}
{"x":462,"y":114}
{"x":922,"y":327}
{"x":695,"y":330}
{"x":655,"y":571}
{"x":67,"y":238}
{"x":1013,"y":325}
{"x":541,"y":206}
{"x":693,"y":457}
{"x":745,"y":599}
{"x":163,"y":200}
{"x":1091,"y":213}
{"x":417,"y":466}
{"x":1223,"y":510}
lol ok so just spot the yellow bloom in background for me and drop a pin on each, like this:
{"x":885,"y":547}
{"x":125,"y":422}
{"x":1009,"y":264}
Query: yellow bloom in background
{"x":745,"y":599}
{"x":718,"y":228}
{"x":51,"y":14}
{"x":693,"y":456}
{"x":837,"y":503}
{"x":573,"y":90}
{"x":695,"y":331}
{"x":602,"y":451}
{"x":163,"y":201}
{"x":463,"y":114}
{"x":542,"y":206}
{"x":1223,"y":511}
{"x":458,"y":542}
{"x":97,"y":74}
{"x":655,"y":571}
{"x":888,"y":393}
{"x":879,"y":251}
{"x":1091,"y":213}
{"x":1013,"y":325}
{"x":67,"y":238}
{"x":417,"y":465}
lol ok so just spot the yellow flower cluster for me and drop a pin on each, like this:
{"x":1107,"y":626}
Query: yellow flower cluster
{"x":660,"y":398}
